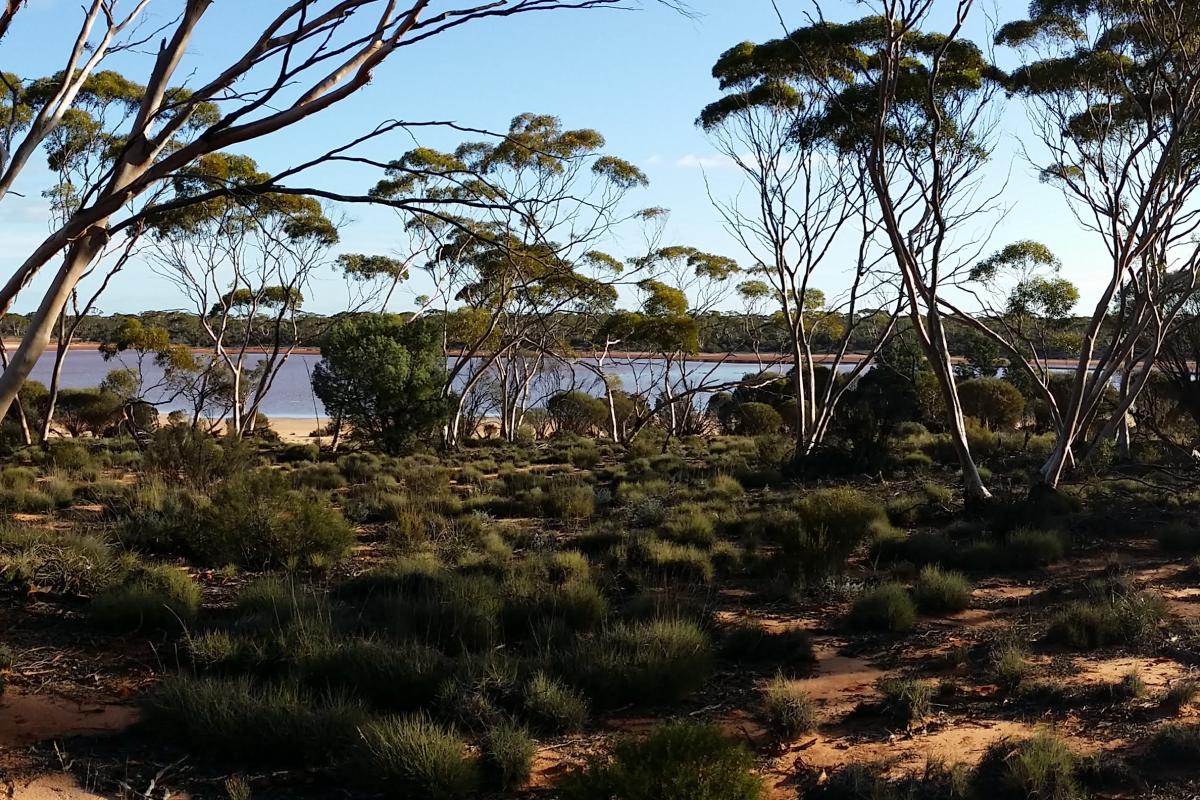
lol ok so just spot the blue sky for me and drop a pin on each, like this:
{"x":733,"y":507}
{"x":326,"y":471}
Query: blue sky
{"x":639,"y":77}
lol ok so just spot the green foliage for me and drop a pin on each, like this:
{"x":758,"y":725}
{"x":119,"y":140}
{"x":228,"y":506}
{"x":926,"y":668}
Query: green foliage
{"x":570,"y":501}
{"x":994,"y":402}
{"x":690,"y":524}
{"x":577,"y":412}
{"x":56,"y":561}
{"x":906,"y":699}
{"x":887,"y":607}
{"x":1038,"y":768}
{"x":383,"y":676}
{"x":181,"y":452}
{"x":749,"y":643}
{"x":678,"y":761}
{"x":1177,"y":744}
{"x":756,"y":419}
{"x":1121,"y":619}
{"x":508,"y":752}
{"x":237,"y":719}
{"x":1009,"y":665}
{"x":384,"y":376}
{"x":552,"y":707}
{"x":939,"y":592}
{"x":418,"y":756}
{"x":658,"y":661}
{"x":162,"y":598}
{"x":787,"y":708}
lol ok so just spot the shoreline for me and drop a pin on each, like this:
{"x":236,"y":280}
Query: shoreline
{"x":767,"y":360}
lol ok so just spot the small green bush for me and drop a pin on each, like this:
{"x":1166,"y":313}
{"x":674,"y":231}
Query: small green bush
{"x":552,"y":707}
{"x":905,"y":699}
{"x":1180,"y":694}
{"x":690,"y":524}
{"x":1009,"y":666}
{"x":388,"y":678}
{"x":787,"y":708}
{"x":508,"y":752}
{"x":678,"y":761}
{"x":939,"y":592}
{"x":887,"y":607}
{"x":571,"y":501}
{"x":235,"y":718}
{"x":298,"y":452}
{"x":656,"y":661}
{"x":1177,"y":744}
{"x":748,"y":643}
{"x":1026,"y":548}
{"x":1123,"y":619}
{"x":162,"y":598}
{"x":1038,"y":768}
{"x":672,"y":563}
{"x":415,"y":755}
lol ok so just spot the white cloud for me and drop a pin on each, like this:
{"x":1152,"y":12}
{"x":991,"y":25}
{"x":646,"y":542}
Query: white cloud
{"x":713,"y":161}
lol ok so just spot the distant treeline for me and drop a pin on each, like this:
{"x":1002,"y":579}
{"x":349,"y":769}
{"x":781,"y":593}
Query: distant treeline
{"x":728,"y":332}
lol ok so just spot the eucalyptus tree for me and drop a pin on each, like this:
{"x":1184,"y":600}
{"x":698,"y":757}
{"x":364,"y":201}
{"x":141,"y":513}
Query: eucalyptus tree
{"x":1113,"y":91}
{"x":514,"y":219}
{"x":917,"y":109}
{"x":243,"y":263}
{"x":304,"y":58}
{"x":806,"y":206}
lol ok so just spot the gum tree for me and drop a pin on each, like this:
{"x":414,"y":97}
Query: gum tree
{"x":805,"y":203}
{"x":1113,"y":91}
{"x":304,"y":59}
{"x":917,"y":109}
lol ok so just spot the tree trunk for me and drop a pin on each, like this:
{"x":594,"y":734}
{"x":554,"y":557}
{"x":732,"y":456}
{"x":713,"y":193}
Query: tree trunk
{"x":41,"y":324}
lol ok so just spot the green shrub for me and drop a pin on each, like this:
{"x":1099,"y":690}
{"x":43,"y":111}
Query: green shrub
{"x":678,"y":761}
{"x":257,"y":521}
{"x":787,"y":708}
{"x":672,"y":563}
{"x":656,"y":661}
{"x":236,"y":719}
{"x":993,"y":401}
{"x":1026,"y":548}
{"x":690,"y":524}
{"x":1009,"y":666}
{"x":322,"y":477}
{"x":508,"y":752}
{"x":388,"y":678}
{"x":905,"y":699}
{"x":1177,"y":744}
{"x":299,"y":452}
{"x":162,"y":598}
{"x":756,"y":419}
{"x":552,"y":707}
{"x":571,"y":501}
{"x":57,"y":561}
{"x":1038,"y":768}
{"x":938,"y":592}
{"x":724,"y":487}
{"x":1123,"y":619}
{"x":1180,"y":694}
{"x":183,"y":453}
{"x":418,"y":756}
{"x":887,"y":607}
{"x":825,"y":529}
{"x":749,"y":643}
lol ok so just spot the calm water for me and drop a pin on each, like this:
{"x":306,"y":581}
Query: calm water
{"x":291,"y":395}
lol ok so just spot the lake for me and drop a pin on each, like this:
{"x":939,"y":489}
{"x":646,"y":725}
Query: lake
{"x":291,"y":395}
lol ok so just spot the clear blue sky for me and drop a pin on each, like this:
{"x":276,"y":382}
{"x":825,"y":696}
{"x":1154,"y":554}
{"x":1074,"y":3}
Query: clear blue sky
{"x":639,"y":77}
